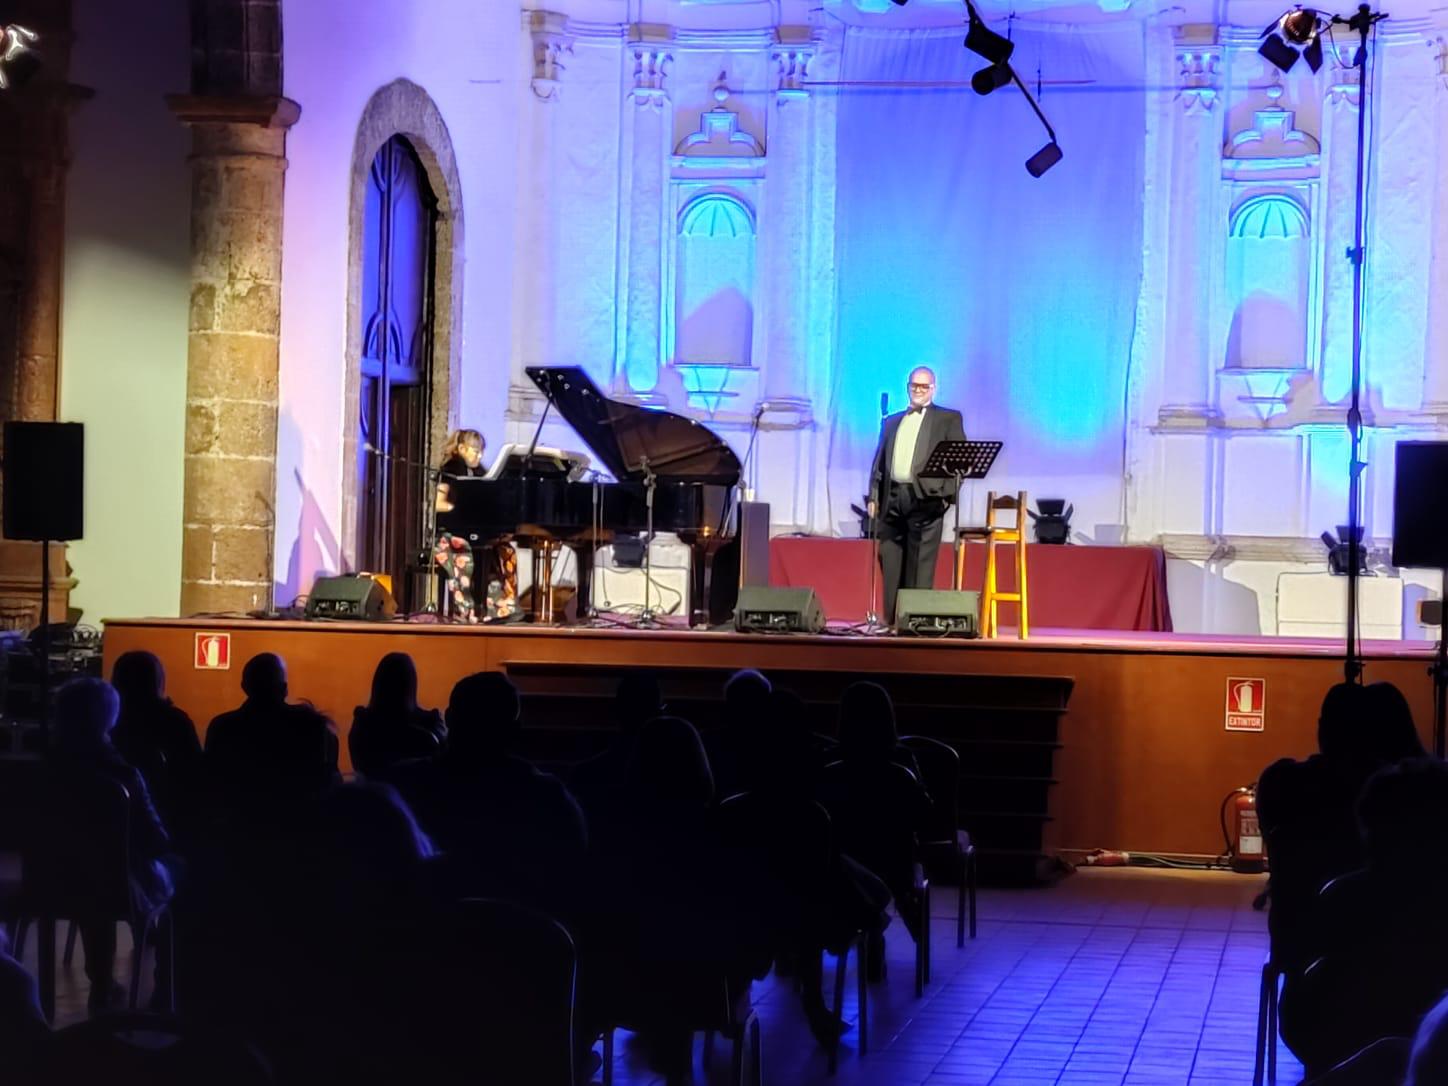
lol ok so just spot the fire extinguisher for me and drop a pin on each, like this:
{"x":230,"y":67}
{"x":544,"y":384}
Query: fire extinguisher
{"x":1242,"y":832}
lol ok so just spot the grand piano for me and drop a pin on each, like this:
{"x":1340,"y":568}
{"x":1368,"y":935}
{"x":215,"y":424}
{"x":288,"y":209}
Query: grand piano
{"x":682,"y":469}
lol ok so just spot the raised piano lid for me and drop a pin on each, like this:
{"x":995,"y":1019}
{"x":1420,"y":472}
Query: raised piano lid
{"x":627,"y":438}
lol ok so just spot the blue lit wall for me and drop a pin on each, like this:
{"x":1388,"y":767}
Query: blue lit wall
{"x":1020,"y":292}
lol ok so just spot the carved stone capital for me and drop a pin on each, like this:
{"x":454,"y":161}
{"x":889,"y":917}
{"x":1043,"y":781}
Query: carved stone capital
{"x":1344,"y":88}
{"x":551,"y":43}
{"x":792,"y":60}
{"x":237,"y":110}
{"x":1198,"y":86}
{"x":651,"y":48}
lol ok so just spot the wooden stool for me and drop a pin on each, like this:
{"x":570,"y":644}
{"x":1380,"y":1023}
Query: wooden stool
{"x":993,"y":534}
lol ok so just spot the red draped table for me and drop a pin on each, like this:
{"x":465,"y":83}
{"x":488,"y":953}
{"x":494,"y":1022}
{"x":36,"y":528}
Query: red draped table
{"x":1071,"y":587}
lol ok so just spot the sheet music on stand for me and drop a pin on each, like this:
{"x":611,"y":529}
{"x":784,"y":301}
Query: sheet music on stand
{"x":961,"y":460}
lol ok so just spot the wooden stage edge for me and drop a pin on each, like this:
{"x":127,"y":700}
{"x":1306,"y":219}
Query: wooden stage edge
{"x":1145,"y":761}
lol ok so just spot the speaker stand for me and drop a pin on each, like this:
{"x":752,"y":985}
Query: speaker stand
{"x":44,"y":645}
{"x":1439,"y":670}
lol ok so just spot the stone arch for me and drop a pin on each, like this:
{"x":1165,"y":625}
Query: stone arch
{"x":402,"y":108}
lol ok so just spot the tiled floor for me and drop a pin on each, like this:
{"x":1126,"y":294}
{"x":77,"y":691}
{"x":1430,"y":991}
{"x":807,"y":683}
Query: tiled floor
{"x":1126,"y":977}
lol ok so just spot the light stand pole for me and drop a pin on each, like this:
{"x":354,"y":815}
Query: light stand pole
{"x":1363,"y":22}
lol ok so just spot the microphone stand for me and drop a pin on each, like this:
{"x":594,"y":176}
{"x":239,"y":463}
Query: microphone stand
{"x":541,"y":608}
{"x":646,"y":616}
{"x":431,"y":476}
{"x":873,"y":625}
{"x":1362,"y":22}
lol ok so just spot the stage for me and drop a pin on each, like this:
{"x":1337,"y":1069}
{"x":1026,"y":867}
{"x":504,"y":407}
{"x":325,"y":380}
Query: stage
{"x":1073,"y":740}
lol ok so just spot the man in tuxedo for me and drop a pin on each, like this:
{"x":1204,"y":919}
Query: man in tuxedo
{"x":910,"y":510}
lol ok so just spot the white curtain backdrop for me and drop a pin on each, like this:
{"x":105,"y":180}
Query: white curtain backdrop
{"x":1020,"y":292}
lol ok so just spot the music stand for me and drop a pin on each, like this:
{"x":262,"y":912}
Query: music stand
{"x":960,"y":460}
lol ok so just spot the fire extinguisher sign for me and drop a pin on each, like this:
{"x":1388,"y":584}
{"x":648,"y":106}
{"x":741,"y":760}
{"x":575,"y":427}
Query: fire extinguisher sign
{"x":1246,"y":704}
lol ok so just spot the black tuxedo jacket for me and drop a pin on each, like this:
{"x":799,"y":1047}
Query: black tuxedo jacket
{"x":940,"y":424}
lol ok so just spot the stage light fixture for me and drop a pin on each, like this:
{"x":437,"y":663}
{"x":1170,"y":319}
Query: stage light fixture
{"x":1052,"y":520}
{"x":985,"y":42}
{"x":1298,"y":33}
{"x":992,"y":78}
{"x":18,"y":58}
{"x":1044,"y":159}
{"x":1339,"y":553}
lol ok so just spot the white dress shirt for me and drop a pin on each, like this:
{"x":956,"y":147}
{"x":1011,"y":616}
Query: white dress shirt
{"x":902,"y":460}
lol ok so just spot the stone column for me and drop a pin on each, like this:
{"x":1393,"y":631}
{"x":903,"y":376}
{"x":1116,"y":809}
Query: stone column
{"x":784,"y":263}
{"x":534,"y":337}
{"x":1195,"y":183}
{"x":238,"y":162}
{"x":1435,"y":360}
{"x":1339,"y":169}
{"x":648,"y":146}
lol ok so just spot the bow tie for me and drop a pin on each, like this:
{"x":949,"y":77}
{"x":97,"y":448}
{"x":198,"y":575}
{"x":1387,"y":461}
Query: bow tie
{"x":915,"y":411}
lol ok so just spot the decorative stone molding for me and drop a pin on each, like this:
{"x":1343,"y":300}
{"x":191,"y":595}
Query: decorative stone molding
{"x":792,"y":59}
{"x":1272,"y":140}
{"x":1345,"y":85}
{"x":551,"y":42}
{"x":719,"y":134}
{"x":652,"y":50}
{"x":1198,"y":78}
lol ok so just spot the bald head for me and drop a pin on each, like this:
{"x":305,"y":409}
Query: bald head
{"x":921,"y":386}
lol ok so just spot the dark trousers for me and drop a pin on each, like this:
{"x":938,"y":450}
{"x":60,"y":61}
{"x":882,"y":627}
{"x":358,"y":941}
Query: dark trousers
{"x":909,"y":530}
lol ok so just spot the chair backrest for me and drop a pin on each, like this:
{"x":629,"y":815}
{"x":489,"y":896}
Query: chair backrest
{"x":154,"y":1049}
{"x":75,"y":859}
{"x":940,"y":773}
{"x":505,"y":977}
{"x":1005,"y":503}
{"x":796,"y":842}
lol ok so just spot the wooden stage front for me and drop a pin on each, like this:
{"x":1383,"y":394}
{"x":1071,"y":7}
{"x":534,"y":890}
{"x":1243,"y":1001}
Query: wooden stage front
{"x":1122,"y":735}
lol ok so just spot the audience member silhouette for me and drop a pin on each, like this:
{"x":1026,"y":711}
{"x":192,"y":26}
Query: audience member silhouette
{"x":506,"y":829}
{"x":1428,"y":1064}
{"x":746,"y":707}
{"x":269,"y":753}
{"x":1384,"y":958}
{"x":155,"y":735}
{"x":1308,"y":815}
{"x":81,"y":753}
{"x":664,"y":930}
{"x":815,"y":897}
{"x":595,"y":781}
{"x":877,"y":805}
{"x":392,"y":727}
{"x":23,"y":1028}
{"x":363,"y":906}
{"x":1392,"y":734}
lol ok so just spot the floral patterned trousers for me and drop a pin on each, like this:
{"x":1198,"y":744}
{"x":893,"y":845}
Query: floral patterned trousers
{"x":454,"y":555}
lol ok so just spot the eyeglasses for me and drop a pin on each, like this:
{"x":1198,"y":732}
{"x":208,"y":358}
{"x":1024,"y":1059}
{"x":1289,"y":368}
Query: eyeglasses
{"x":920,"y":388}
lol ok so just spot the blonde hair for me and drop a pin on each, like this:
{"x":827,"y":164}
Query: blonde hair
{"x":460,"y":438}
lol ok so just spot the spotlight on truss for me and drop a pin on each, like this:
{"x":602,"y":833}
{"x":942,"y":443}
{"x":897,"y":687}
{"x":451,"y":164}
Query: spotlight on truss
{"x":1297,"y":33}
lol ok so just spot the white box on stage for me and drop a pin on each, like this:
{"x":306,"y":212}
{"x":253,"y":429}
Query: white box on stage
{"x":1315,"y":605}
{"x":621,"y":587}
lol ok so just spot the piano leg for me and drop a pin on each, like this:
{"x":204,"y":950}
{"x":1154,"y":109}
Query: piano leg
{"x":583,"y":555}
{"x":699,"y":584}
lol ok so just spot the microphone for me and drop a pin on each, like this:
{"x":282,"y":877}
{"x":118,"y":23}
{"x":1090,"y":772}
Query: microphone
{"x":884,"y":404}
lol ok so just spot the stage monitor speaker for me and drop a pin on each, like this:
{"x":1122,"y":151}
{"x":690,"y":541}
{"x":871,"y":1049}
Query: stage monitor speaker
{"x":763,"y":609}
{"x":934,"y":612}
{"x":44,"y":480}
{"x":1420,"y":505}
{"x":353,"y":596}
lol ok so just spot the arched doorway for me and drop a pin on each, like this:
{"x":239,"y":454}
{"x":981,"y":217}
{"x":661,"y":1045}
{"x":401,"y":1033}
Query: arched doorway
{"x":399,"y":243}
